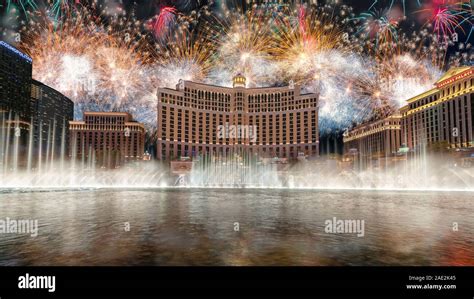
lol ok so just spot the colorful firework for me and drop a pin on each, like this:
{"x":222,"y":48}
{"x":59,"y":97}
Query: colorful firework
{"x":447,"y":19}
{"x":445,"y":22}
{"x":57,"y":7}
{"x":23,"y":4}
{"x":469,"y":18}
{"x":313,"y":33}
{"x":99,"y":63}
{"x":315,"y":47}
{"x":107,"y":62}
{"x":161,"y":24}
{"x":380,"y":26}
{"x":244,"y":43}
{"x":392,"y":3}
{"x":61,"y":7}
{"x":185,"y":55}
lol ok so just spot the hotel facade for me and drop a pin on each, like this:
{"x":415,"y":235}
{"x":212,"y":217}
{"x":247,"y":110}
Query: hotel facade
{"x":442,"y":116}
{"x":374,"y":140}
{"x":198,"y":119}
{"x":109,"y":138}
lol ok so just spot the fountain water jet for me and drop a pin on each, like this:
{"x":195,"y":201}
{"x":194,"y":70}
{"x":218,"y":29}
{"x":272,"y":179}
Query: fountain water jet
{"x":50,"y":166}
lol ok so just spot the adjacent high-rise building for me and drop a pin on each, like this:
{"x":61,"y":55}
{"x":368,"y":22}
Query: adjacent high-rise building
{"x":15,"y":107}
{"x":33,"y":117}
{"x":444,"y":114}
{"x":15,"y":82}
{"x":107,"y":138}
{"x":442,"y":117}
{"x":197,"y":118}
{"x":52,"y":112}
{"x":374,"y":140}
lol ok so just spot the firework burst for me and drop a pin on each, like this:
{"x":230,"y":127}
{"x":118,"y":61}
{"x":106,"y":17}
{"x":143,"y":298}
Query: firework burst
{"x":23,"y":4}
{"x":243,"y":45}
{"x":184,"y":55}
{"x":161,"y":24}
{"x":297,"y":44}
{"x":392,"y":3}
{"x":380,"y":26}
{"x":446,"y":18}
{"x":314,"y":46}
{"x":362,"y":66}
{"x":59,"y":8}
{"x":445,"y":22}
{"x":99,"y":63}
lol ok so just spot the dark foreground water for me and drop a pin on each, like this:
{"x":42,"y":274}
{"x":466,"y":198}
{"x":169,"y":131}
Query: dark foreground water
{"x":276,"y":227}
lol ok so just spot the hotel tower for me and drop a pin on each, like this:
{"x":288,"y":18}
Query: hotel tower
{"x":270,"y":122}
{"x":110,"y":138}
{"x":440,"y":117}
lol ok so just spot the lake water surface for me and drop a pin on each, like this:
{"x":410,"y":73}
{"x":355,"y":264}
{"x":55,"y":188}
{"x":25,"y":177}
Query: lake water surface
{"x":275,"y":227}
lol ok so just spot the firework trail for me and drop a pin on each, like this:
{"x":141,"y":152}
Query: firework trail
{"x":61,"y":7}
{"x":243,"y":42}
{"x":185,"y":55}
{"x":163,"y":22}
{"x":392,"y":3}
{"x":24,"y":4}
{"x":446,"y":18}
{"x":379,"y":25}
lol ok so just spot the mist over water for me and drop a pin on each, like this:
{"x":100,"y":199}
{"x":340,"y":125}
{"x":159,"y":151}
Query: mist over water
{"x":436,"y":173}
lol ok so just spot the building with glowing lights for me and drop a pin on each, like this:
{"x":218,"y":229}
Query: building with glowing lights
{"x":15,"y":97}
{"x":444,"y":114}
{"x":107,"y":138}
{"x":197,"y":118}
{"x":15,"y":82}
{"x":52,"y":112}
{"x":33,"y":117}
{"x":371,"y":142}
{"x":440,"y":117}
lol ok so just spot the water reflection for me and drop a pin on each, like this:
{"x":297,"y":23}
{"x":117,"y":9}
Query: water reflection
{"x":277,"y":227}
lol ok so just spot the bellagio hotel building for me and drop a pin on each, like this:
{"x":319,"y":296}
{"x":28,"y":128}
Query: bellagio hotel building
{"x":190,"y":117}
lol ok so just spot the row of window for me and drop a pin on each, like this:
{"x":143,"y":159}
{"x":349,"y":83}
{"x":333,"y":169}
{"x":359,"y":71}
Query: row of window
{"x":280,"y":151}
{"x":447,"y":91}
{"x":222,"y":102}
{"x":437,"y":124}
